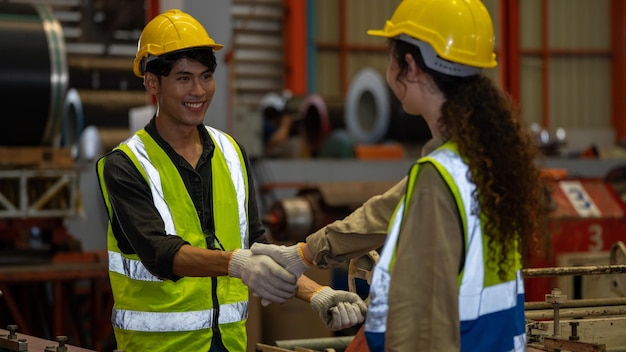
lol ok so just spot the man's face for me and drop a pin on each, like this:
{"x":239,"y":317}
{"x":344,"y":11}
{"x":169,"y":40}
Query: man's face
{"x":186,"y":93}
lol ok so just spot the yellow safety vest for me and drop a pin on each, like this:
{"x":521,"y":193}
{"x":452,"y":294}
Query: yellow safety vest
{"x":491,"y":310}
{"x":151,"y":314}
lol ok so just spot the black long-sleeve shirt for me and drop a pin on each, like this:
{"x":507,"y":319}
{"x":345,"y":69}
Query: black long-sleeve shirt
{"x":136,"y":223}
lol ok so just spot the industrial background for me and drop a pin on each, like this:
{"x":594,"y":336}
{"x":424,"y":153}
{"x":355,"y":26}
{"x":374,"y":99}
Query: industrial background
{"x":69,"y":94}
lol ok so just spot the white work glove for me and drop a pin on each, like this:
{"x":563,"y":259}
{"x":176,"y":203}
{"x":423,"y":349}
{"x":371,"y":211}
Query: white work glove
{"x":263,"y":276}
{"x":338,"y":309}
{"x":289,"y":257}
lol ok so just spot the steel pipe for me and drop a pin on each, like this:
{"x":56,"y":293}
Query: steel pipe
{"x":578,"y":303}
{"x":574,"y":270}
{"x":318,"y":344}
{"x":573,"y":313}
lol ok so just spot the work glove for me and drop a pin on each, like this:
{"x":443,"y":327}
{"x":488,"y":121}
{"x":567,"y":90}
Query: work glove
{"x":338,"y":309}
{"x":290,"y":257}
{"x":263,"y":276}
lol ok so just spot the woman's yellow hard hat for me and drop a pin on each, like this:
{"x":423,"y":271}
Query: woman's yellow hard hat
{"x":459,"y":31}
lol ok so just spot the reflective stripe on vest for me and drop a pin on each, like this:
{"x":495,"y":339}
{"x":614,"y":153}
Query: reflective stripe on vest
{"x":376,"y":319}
{"x":235,"y":167}
{"x":130,"y":268}
{"x":178,"y":321}
{"x":476,"y":300}
{"x":134,"y":269}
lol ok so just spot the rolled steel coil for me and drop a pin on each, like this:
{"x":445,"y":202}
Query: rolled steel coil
{"x":33,"y":74}
{"x":373,"y":113}
{"x":317,"y":115}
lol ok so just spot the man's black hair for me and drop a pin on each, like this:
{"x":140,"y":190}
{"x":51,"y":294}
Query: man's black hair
{"x":162,"y":65}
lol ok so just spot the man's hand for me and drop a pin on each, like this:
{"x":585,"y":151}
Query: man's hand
{"x":289,"y":257}
{"x":338,"y":309}
{"x":263,"y":276}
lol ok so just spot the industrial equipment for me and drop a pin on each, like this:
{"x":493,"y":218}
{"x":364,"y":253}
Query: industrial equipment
{"x":587,"y":217}
{"x":577,"y":325}
{"x":290,"y":220}
{"x":11,"y":340}
{"x":49,"y":285}
{"x":38,"y":181}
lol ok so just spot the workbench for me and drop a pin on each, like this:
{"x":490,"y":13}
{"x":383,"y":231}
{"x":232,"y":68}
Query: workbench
{"x":57,"y":288}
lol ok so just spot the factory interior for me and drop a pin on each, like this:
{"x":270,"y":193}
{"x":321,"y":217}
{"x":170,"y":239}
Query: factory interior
{"x":69,"y":62}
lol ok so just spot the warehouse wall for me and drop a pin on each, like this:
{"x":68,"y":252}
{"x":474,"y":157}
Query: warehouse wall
{"x":577,"y":70}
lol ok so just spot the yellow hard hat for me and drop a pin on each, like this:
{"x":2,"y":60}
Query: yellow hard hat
{"x":170,"y":31}
{"x":459,"y":31}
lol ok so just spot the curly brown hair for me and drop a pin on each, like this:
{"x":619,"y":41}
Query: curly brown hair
{"x":502,"y":157}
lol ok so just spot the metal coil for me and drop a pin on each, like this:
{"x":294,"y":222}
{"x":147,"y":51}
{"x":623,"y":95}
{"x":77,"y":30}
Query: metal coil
{"x":373,"y":114}
{"x":33,"y":74}
{"x":316,"y":114}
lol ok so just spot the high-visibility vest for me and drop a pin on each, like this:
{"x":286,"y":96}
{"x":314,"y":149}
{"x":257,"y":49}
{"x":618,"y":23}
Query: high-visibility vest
{"x":151,"y":314}
{"x":491,"y":310}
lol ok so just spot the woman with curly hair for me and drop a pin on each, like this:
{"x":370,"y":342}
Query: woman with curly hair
{"x":449,"y":274}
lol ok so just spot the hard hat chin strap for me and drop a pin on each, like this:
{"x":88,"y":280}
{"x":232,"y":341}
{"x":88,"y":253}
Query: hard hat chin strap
{"x":436,"y":63}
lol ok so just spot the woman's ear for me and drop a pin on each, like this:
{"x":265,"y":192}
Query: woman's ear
{"x":413,"y":71}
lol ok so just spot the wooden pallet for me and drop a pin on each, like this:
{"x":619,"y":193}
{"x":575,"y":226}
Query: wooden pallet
{"x":35,"y":157}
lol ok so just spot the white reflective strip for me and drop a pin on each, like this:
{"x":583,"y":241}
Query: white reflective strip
{"x":520,"y":282}
{"x":474,"y":273}
{"x":390,"y":242}
{"x":474,"y":299}
{"x":376,"y":319}
{"x":139,"y":149}
{"x":177,"y":321}
{"x":130,"y":268}
{"x":520,"y":343}
{"x":236,"y":171}
{"x":493,"y":299}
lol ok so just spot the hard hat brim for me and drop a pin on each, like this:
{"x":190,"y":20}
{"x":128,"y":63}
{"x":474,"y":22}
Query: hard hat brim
{"x":377,"y":33}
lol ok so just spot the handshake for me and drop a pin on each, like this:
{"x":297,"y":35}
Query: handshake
{"x":272,"y":272}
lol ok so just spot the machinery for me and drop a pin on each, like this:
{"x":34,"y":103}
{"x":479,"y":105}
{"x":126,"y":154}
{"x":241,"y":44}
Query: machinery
{"x":591,"y":324}
{"x":314,"y":205}
{"x":38,"y":178}
{"x":50,"y":286}
{"x":587,"y":217}
{"x":10,"y":341}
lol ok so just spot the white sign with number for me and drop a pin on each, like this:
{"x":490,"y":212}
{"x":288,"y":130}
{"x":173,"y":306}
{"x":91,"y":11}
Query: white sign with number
{"x":580,"y":199}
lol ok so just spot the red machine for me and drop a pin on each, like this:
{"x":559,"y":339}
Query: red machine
{"x":588,"y":216}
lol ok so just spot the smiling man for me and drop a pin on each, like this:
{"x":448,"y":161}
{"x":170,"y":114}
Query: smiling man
{"x":183,"y":213}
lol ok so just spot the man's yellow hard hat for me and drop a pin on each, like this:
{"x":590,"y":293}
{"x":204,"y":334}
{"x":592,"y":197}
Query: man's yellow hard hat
{"x":170,"y":31}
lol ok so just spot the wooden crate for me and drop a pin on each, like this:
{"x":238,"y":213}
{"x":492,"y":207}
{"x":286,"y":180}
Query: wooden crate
{"x":35,"y":157}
